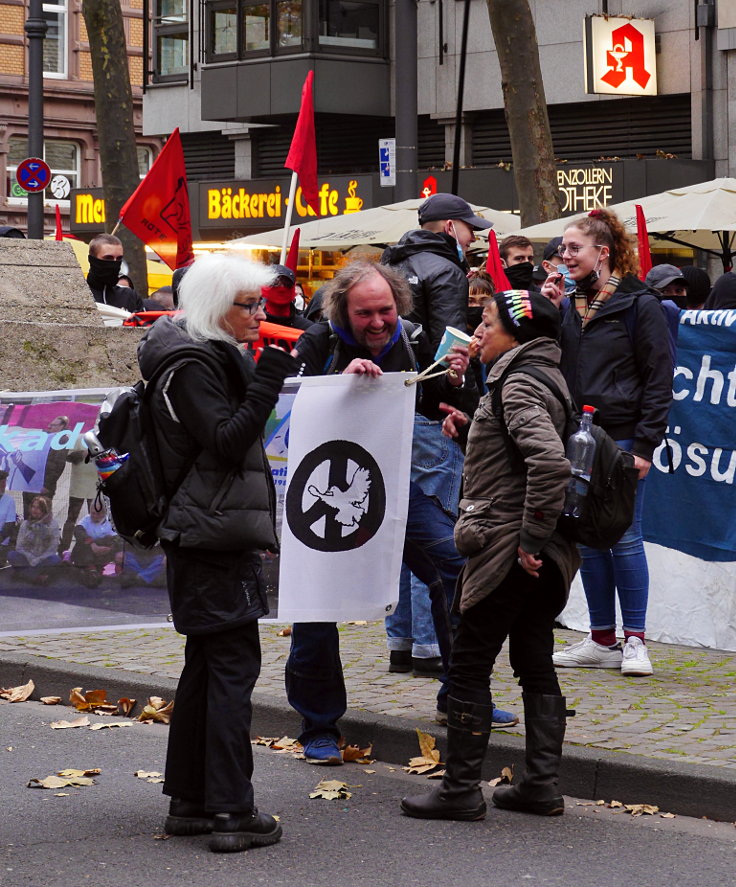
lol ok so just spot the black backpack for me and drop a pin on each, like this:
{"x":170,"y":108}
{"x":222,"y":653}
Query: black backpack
{"x":135,"y":491}
{"x":608,"y":508}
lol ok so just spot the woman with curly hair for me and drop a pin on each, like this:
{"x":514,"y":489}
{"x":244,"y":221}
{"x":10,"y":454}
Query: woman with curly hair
{"x":616,"y":357}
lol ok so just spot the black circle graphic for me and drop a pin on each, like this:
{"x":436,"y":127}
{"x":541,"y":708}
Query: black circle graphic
{"x":347,"y":525}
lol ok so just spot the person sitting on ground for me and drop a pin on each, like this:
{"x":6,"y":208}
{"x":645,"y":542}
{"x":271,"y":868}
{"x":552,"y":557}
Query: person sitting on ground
{"x":95,"y":545}
{"x":36,"y":547}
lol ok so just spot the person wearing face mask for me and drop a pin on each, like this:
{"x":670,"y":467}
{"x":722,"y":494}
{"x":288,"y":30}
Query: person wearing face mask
{"x":615,"y":357}
{"x":280,"y":296}
{"x":432,"y":259}
{"x":517,"y":258}
{"x":105,"y":259}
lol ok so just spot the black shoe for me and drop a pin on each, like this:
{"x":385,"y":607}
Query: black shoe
{"x":399,"y":661}
{"x":234,"y":832}
{"x":427,"y":668}
{"x":187,"y":818}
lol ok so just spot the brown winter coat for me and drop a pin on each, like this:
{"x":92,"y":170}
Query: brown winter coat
{"x":504,"y":506}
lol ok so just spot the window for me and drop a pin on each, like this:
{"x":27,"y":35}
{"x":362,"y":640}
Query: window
{"x":247,"y":28}
{"x":144,"y":160}
{"x":62,"y":157}
{"x":170,"y":40}
{"x":56,"y":40}
{"x":349,"y":24}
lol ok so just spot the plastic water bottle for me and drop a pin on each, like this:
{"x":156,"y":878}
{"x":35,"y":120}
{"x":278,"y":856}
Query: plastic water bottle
{"x":580,"y":453}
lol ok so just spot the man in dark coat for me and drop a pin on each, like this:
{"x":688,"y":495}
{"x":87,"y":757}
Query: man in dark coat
{"x":105,"y":259}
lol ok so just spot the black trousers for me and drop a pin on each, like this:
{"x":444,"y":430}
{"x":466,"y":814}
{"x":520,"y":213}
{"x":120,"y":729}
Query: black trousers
{"x":209,"y":758}
{"x":522,"y":609}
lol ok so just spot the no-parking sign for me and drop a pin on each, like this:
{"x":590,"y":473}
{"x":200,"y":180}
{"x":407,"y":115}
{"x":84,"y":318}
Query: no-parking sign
{"x":33,"y":174}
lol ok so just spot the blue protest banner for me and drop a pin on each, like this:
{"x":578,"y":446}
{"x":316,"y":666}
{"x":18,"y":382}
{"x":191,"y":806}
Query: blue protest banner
{"x":693,"y":509}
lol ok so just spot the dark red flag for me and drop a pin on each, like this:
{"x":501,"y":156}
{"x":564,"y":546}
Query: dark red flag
{"x":158,"y":210}
{"x":302,"y":156}
{"x":59,"y":230}
{"x":494,"y":266}
{"x":645,"y":256}
{"x":292,"y":260}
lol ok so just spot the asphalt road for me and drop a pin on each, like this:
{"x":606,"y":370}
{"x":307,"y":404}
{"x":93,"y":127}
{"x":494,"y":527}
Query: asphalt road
{"x":110,"y":833}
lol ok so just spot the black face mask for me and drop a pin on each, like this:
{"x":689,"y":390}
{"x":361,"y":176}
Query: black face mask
{"x":104,"y":272}
{"x":520,"y":276}
{"x":475,"y":316}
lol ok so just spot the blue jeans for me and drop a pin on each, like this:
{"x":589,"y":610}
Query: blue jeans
{"x":315,"y":684}
{"x":437,"y":464}
{"x":621,"y":569}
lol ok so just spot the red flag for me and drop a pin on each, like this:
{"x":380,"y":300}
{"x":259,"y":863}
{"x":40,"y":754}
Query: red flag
{"x":59,"y":230}
{"x":645,"y":256}
{"x":292,"y":260}
{"x":158,"y":210}
{"x":302,"y":156}
{"x":494,"y":266}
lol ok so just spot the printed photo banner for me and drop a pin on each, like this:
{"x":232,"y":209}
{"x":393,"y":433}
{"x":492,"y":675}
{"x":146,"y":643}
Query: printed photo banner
{"x":693,"y":510}
{"x":346,"y":501}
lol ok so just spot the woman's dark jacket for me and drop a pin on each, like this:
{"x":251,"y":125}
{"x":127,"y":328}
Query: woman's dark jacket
{"x":621,"y":364}
{"x":209,"y":411}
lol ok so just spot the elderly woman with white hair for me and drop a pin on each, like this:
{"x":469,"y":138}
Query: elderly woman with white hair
{"x":208,"y":408}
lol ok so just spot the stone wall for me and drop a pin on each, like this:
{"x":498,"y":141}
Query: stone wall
{"x":51,"y":334}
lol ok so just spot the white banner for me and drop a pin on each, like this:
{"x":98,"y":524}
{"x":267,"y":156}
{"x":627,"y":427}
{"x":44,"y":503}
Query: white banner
{"x":347,"y":498}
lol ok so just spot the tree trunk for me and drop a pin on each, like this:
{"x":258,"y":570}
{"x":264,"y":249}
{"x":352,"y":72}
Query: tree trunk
{"x":115,"y":130}
{"x":525,"y":107}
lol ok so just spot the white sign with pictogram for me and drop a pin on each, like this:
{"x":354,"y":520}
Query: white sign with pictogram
{"x":620,"y":56}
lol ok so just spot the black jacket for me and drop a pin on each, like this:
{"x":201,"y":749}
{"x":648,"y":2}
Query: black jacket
{"x":627,"y":378}
{"x":208,"y":414}
{"x":723,"y":294}
{"x":436,"y":274}
{"x":294,"y":320}
{"x":322,"y":351}
{"x":117,"y":296}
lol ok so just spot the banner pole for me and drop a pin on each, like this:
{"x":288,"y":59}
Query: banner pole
{"x":118,"y":224}
{"x":287,"y":221}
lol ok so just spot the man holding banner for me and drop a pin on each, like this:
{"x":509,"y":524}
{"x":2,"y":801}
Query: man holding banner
{"x":364,"y":337}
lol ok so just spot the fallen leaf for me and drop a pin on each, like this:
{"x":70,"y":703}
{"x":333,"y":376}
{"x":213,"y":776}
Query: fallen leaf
{"x":438,"y":774}
{"x":427,"y":748}
{"x":17,"y":694}
{"x":600,"y":803}
{"x":61,"y":794}
{"x":358,"y":622}
{"x":156,"y":711}
{"x":64,"y":778}
{"x":147,"y":774}
{"x":614,"y":804}
{"x":506,"y":777}
{"x":126,"y":706}
{"x":92,"y":700}
{"x":641,"y":809}
{"x":71,"y":773}
{"x":285,"y":632}
{"x":667,"y":815}
{"x":370,"y":771}
{"x":356,"y":755}
{"x":111,"y":724}
{"x":82,"y":721}
{"x":331,"y":790}
{"x":50,"y":700}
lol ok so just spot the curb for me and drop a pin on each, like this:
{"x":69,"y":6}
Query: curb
{"x":588,"y":773}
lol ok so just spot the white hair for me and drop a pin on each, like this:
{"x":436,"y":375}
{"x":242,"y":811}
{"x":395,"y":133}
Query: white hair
{"x":211,"y":285}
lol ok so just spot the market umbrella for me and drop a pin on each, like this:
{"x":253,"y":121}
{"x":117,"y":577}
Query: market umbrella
{"x":380,"y":225}
{"x":702,"y":216}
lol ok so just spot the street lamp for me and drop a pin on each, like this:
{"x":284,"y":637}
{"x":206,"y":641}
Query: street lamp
{"x":35,"y":28}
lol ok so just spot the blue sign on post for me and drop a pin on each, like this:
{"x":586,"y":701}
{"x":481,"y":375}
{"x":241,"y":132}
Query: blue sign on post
{"x":33,"y":174}
{"x":387,"y":162}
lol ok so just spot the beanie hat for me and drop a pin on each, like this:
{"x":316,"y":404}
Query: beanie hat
{"x":527,"y":315}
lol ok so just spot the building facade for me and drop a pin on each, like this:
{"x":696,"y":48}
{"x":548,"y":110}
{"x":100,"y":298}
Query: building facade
{"x":70,"y":127}
{"x":229,"y":74}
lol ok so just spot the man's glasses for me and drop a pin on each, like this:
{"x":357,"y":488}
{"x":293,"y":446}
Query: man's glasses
{"x":251,"y":307}
{"x":573,"y":248}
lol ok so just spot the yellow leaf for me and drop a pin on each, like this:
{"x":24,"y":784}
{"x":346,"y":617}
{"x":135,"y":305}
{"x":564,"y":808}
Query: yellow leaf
{"x":18,"y":694}
{"x":438,"y":774}
{"x":157,"y":710}
{"x":125,"y":706}
{"x":48,"y":782}
{"x":427,"y":748}
{"x":506,"y":777}
{"x":61,"y":794}
{"x":73,"y":774}
{"x":92,"y":700}
{"x":82,"y":721}
{"x":667,"y":815}
{"x":331,"y":790}
{"x":51,"y":700}
{"x":146,"y":774}
{"x":352,"y":753}
{"x":640,"y":809}
{"x":111,"y":724}
{"x":614,"y":804}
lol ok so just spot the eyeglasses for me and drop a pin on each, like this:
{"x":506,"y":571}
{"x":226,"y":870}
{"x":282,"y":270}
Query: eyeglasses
{"x":573,"y":248}
{"x":251,"y":307}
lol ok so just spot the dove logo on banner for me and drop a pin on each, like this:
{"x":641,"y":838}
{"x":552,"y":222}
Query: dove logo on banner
{"x":346,"y":499}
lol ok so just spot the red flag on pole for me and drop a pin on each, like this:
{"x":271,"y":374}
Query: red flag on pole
{"x":59,"y":230}
{"x":645,"y":256}
{"x":292,"y":260}
{"x":302,"y":156}
{"x":494,"y":266}
{"x":158,"y":210}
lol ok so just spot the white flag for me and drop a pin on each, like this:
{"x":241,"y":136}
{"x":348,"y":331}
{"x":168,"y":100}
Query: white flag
{"x":346,"y":498}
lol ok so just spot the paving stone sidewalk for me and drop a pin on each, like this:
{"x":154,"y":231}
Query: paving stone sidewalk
{"x":685,"y":712}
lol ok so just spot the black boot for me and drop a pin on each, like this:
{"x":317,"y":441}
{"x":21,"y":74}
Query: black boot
{"x":538,"y":792}
{"x":459,"y":795}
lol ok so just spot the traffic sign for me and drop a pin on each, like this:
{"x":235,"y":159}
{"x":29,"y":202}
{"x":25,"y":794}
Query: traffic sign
{"x":33,"y":174}
{"x":387,"y":162}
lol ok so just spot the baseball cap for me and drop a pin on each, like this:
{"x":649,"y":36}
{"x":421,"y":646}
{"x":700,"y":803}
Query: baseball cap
{"x":283,"y":271}
{"x":662,"y":275}
{"x":551,"y":248}
{"x":439,"y":207}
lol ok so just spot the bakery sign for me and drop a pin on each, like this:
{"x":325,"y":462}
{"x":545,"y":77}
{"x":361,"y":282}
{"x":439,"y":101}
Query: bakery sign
{"x":620,"y":56}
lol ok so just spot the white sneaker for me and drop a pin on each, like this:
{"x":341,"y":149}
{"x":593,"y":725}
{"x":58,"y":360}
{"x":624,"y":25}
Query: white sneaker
{"x":636,"y":658}
{"x":588,"y":654}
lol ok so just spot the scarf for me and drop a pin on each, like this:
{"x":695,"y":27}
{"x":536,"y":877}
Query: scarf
{"x":588,"y":309}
